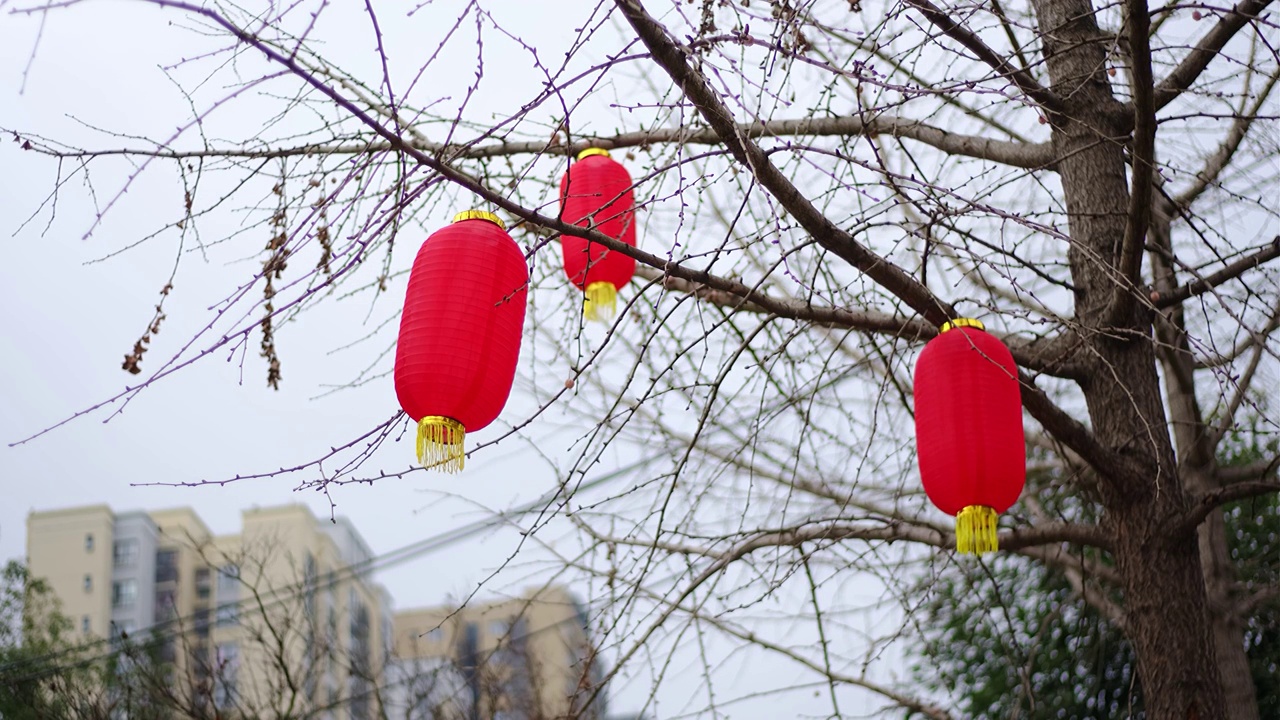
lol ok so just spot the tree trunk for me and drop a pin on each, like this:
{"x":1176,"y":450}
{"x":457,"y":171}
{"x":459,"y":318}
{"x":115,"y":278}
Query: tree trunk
{"x":1166,"y":614}
{"x":1227,"y":625}
{"x":1196,"y":468}
{"x":1166,"y":619}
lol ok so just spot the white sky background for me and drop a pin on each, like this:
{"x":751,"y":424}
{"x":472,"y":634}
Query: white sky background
{"x":66,"y":324}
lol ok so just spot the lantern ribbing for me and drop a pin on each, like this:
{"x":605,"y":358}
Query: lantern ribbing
{"x":970,"y":443}
{"x":460,"y":334}
{"x":596,"y":192}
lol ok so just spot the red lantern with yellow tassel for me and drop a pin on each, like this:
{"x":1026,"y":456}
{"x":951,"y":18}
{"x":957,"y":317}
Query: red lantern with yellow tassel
{"x":460,"y":334}
{"x":596,"y":191}
{"x":971,"y":447}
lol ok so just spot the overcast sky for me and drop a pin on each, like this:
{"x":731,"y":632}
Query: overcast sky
{"x":68,"y":320}
{"x":67,"y":323}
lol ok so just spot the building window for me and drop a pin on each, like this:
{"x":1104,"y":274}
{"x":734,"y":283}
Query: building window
{"x":168,"y":651}
{"x":88,"y":542}
{"x":84,"y":625}
{"x":435,"y":634}
{"x":166,"y":566}
{"x":359,"y":689}
{"x":228,"y":594}
{"x":124,"y":553}
{"x":166,"y":605}
{"x":468,"y":648}
{"x":88,"y":583}
{"x":228,"y":614}
{"x":331,"y":602}
{"x":203,"y":588}
{"x":200,"y":659}
{"x":498,"y":628}
{"x":122,"y":629}
{"x":309,"y":575}
{"x":202,"y":622}
{"x":388,"y":639}
{"x":229,"y":574}
{"x":124,"y":593}
{"x":226,"y":667}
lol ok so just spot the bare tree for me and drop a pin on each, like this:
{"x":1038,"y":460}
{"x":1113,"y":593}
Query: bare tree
{"x":821,"y":185}
{"x":278,"y":651}
{"x":291,"y":642}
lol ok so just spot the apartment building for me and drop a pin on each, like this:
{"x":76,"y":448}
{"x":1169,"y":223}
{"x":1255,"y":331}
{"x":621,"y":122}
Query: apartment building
{"x":523,"y":658}
{"x":280,"y":618}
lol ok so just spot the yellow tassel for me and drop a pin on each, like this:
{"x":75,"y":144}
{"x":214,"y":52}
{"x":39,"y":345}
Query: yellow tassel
{"x":440,"y":443}
{"x":601,"y":302}
{"x":976,"y":530}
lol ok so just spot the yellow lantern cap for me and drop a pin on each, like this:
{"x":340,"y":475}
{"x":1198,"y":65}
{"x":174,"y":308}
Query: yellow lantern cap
{"x":593,"y":151}
{"x":479,"y":215}
{"x":959,"y":323}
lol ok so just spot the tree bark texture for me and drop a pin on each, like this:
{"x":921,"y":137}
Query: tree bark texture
{"x":1196,"y":469}
{"x":1166,"y":608}
{"x":1226,"y":624}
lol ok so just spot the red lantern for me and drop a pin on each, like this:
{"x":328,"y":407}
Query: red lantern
{"x":596,"y":191}
{"x":970,"y":444}
{"x":460,"y":334}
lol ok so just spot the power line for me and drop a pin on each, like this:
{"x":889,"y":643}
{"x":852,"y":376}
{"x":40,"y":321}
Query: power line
{"x":374,"y":688}
{"x":174,"y":627}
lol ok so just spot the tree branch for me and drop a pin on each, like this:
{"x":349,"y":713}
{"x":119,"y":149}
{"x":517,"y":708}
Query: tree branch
{"x":942,"y":20}
{"x":1242,"y":382}
{"x":933,"y":712}
{"x":868,"y":320}
{"x":1230,"y":272}
{"x":1259,"y":470}
{"x":1249,"y":605}
{"x":1031,"y":156}
{"x":737,"y":295}
{"x":1044,"y":355}
{"x":1224,"y":495}
{"x":1094,"y":596}
{"x":1254,"y":339}
{"x":1219,"y":161}
{"x":1143,"y":151}
{"x":888,"y":275}
{"x":1069,"y":431}
{"x":826,"y":233}
{"x":1198,"y":59}
{"x":673,"y":59}
{"x":1054,"y":534}
{"x":1079,"y":574}
{"x":930,"y":711}
{"x":888,"y":530}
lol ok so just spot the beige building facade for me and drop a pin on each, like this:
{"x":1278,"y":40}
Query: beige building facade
{"x":72,"y":550}
{"x":281,"y":619}
{"x":522,"y":658}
